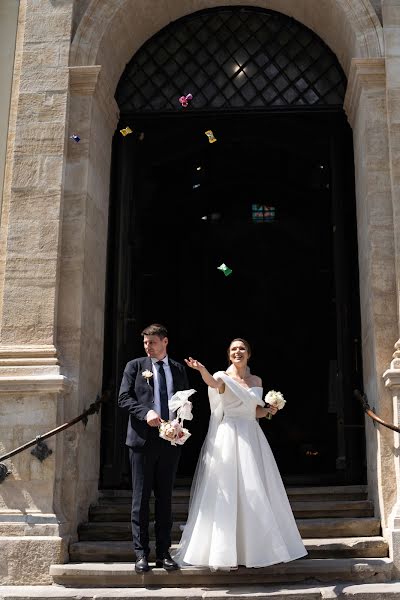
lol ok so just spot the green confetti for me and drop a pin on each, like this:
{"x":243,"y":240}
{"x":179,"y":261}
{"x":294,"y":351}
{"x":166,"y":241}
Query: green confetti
{"x":226,"y":270}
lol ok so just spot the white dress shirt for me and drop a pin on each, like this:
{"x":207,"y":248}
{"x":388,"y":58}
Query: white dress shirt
{"x":170,"y":384}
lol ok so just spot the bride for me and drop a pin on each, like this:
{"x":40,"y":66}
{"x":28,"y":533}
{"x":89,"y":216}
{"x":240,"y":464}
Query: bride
{"x":239,"y":513}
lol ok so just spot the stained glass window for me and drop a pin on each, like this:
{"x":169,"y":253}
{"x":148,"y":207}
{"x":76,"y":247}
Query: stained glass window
{"x":261,"y":213}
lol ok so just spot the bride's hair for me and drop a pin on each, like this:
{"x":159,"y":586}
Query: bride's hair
{"x":244,"y":342}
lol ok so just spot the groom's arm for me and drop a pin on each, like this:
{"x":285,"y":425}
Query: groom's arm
{"x":127,"y":396}
{"x":185,"y":378}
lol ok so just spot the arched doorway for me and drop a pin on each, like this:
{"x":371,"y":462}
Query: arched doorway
{"x":273,"y":198}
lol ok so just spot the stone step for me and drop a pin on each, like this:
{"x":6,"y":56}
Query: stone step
{"x":373,"y":570}
{"x":304,"y":591}
{"x":363,"y":547}
{"x":309,"y":528}
{"x":338,"y":508}
{"x":303,"y":494}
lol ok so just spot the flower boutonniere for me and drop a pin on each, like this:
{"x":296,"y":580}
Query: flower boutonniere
{"x":147,"y":374}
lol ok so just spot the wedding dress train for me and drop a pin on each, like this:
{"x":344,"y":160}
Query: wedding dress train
{"x":239,"y":513}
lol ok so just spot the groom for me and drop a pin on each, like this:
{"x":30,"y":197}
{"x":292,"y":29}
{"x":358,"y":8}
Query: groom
{"x":147,"y":385}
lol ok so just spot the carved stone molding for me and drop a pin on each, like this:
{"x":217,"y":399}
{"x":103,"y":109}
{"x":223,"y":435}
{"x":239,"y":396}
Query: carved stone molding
{"x":366,"y":75}
{"x":46,"y":384}
{"x":16,"y":356}
{"x":83,"y":79}
{"x":31,"y":369}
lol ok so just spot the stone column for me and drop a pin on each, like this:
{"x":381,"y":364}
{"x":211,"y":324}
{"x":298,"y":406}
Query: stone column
{"x":365,"y":105}
{"x":391,"y":24}
{"x":33,"y":390}
{"x":8,"y":32}
{"x":80,"y":324}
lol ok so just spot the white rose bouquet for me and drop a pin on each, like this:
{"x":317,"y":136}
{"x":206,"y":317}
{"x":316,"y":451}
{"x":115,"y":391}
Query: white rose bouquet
{"x":276,"y":399}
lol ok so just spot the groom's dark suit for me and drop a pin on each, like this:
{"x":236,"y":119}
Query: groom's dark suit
{"x":153,"y":460}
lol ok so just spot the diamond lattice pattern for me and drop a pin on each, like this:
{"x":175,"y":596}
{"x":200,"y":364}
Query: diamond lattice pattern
{"x":232,"y":59}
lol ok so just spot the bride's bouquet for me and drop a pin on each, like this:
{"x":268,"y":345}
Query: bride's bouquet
{"x":276,"y":399}
{"x":173,"y":431}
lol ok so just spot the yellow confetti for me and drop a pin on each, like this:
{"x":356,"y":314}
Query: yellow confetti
{"x":211,"y":137}
{"x":126,"y":131}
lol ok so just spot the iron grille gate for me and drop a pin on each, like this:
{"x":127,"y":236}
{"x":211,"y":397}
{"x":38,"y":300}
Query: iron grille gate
{"x":232,"y":58}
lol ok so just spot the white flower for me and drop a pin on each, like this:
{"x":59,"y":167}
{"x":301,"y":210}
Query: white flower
{"x":173,"y":432}
{"x":147,"y":374}
{"x":276,"y":399}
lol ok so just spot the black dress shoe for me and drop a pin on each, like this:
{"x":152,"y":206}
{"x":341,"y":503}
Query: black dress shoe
{"x":167,"y":563}
{"x":141,"y":565}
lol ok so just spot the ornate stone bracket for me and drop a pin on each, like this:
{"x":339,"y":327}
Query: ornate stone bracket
{"x":4,"y":472}
{"x":83,"y":80}
{"x":391,"y":376}
{"x":366,"y":74}
{"x":41,"y":451}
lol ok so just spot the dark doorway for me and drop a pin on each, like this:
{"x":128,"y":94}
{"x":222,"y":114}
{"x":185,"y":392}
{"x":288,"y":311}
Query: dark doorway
{"x":273,"y":198}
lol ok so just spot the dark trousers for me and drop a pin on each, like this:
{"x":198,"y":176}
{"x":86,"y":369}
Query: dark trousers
{"x":154,"y":468}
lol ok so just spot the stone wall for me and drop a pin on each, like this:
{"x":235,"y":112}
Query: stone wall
{"x":33,"y":391}
{"x":366,"y":108}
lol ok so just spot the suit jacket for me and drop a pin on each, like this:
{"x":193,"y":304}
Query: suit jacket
{"x":137,"y":396}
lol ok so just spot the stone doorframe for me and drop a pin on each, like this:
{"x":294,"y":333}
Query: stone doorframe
{"x":54,"y":231}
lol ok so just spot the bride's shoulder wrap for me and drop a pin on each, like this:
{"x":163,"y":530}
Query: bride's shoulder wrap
{"x":215,"y":397}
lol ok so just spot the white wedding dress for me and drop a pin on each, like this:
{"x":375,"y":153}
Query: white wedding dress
{"x":239,"y":513}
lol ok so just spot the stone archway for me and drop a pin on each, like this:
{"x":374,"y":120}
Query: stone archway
{"x":106,"y":38}
{"x":350,"y":28}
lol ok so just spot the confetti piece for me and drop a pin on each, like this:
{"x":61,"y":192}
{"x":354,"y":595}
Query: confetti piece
{"x":126,"y":131}
{"x":184,"y":100}
{"x":198,"y":168}
{"x":204,"y":218}
{"x":196,"y":185}
{"x":211,"y":137}
{"x":226,"y":270}
{"x":141,"y":137}
{"x":74,"y":137}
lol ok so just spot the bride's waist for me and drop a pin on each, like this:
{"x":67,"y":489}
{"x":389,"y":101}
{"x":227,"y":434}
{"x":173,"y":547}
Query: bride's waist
{"x":235,"y":416}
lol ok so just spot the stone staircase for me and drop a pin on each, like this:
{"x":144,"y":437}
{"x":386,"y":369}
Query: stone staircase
{"x":337,"y":524}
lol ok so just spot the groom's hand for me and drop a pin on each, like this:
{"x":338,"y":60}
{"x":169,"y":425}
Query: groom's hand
{"x":153,"y":419}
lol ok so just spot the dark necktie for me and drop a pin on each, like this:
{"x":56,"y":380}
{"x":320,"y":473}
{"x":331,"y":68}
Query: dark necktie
{"x":162,"y":386}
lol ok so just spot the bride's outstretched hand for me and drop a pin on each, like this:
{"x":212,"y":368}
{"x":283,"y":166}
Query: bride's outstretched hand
{"x":194,"y":364}
{"x":206,"y":376}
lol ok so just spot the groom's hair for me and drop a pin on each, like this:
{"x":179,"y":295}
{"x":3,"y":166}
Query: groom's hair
{"x":155,"y":329}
